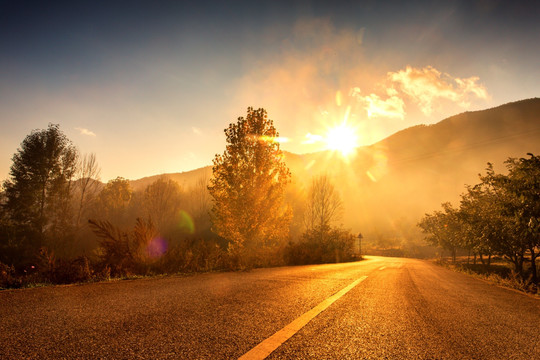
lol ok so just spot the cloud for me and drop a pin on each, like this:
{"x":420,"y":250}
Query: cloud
{"x":428,"y":85}
{"x":196,"y":131}
{"x":392,"y":107}
{"x":84,"y":131}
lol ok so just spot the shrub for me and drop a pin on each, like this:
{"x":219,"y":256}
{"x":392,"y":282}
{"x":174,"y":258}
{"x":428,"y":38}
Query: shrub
{"x":71,"y":271}
{"x":8,"y":279}
{"x":321,"y":245}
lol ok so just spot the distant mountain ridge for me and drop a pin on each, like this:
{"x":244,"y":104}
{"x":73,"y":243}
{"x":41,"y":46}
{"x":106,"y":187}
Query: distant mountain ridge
{"x":414,"y":170}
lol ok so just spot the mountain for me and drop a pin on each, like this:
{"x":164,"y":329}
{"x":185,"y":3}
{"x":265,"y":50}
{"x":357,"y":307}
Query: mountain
{"x":185,"y":179}
{"x":388,"y":186}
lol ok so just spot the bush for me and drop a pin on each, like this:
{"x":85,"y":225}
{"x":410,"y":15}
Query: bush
{"x":71,"y":271}
{"x":192,"y":255}
{"x":8,"y":279}
{"x":318,"y":246}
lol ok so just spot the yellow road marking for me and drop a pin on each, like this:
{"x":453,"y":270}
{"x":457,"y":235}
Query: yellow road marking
{"x":266,"y":347}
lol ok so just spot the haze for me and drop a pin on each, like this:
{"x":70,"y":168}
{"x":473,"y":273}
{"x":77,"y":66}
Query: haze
{"x":150,"y":88}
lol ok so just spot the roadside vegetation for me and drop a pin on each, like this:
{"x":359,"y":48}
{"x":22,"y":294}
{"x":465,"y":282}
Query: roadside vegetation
{"x":60,"y":224}
{"x":497,"y":218}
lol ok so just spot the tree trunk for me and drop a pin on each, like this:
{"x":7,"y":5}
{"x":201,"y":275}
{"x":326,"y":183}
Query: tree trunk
{"x":489,"y":260}
{"x":482,"y":259}
{"x":534,"y":279}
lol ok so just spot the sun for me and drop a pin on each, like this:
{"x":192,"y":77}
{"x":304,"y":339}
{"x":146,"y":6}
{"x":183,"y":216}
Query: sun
{"x":342,"y":138}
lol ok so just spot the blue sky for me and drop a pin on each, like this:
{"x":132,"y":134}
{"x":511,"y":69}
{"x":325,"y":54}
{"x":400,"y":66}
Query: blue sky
{"x":149,"y":86}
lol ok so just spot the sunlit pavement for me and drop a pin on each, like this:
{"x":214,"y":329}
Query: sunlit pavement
{"x":393,"y":308}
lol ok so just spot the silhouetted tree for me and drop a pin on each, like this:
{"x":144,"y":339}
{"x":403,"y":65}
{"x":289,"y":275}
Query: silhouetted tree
{"x":500,"y":215}
{"x":87,"y":185}
{"x":113,"y":202}
{"x":161,"y":201}
{"x":39,"y":189}
{"x":443,"y":229}
{"x":199,"y":204}
{"x":247,"y":186}
{"x":523,"y":183}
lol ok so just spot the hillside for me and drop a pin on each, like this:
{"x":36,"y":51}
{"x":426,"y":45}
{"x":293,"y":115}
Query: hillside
{"x":415,"y":170}
{"x":389,"y":185}
{"x":185,"y":179}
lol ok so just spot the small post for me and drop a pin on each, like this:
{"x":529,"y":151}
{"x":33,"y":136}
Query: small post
{"x":360,"y":244}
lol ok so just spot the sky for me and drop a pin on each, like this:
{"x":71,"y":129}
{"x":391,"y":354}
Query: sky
{"x":149,"y":86}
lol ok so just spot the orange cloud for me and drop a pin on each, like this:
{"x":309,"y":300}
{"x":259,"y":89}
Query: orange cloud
{"x":428,"y":85}
{"x":392,"y":107}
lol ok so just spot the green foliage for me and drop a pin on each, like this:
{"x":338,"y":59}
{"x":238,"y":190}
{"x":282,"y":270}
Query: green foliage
{"x":247,"y":188}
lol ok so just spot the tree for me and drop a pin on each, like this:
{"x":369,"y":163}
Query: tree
{"x":247,"y":186}
{"x":444,"y":229}
{"x":87,"y":184}
{"x":199,"y":204}
{"x":114,"y":199}
{"x":500,"y":215}
{"x":162,"y":200}
{"x":39,"y":189}
{"x":324,"y":205}
{"x":523,"y":183}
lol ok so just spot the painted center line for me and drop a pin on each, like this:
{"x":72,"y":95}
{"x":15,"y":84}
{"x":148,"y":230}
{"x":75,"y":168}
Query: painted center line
{"x":266,"y":347}
{"x":382,"y":268}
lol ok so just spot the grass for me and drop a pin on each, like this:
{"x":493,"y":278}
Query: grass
{"x":499,"y":272}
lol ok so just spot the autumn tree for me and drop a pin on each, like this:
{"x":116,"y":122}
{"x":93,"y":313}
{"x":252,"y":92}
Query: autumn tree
{"x":247,"y":187}
{"x":38,"y":192}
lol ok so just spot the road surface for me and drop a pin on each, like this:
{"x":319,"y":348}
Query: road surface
{"x":375,"y":309}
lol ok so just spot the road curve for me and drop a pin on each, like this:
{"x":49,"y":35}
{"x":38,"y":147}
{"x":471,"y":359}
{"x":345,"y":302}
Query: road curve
{"x":401,"y":309}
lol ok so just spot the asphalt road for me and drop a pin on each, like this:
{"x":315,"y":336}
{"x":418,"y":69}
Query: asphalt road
{"x":402,"y":309}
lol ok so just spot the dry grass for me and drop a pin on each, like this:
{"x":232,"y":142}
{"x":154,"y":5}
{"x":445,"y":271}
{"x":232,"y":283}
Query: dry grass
{"x":499,"y":272}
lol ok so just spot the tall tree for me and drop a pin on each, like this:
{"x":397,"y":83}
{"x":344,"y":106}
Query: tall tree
{"x":523,"y":182}
{"x":39,"y":189}
{"x":247,"y":186}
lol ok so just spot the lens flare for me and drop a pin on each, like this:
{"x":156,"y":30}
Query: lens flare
{"x":370,"y":176}
{"x":186,"y":223}
{"x":278,"y":139}
{"x":156,"y":248}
